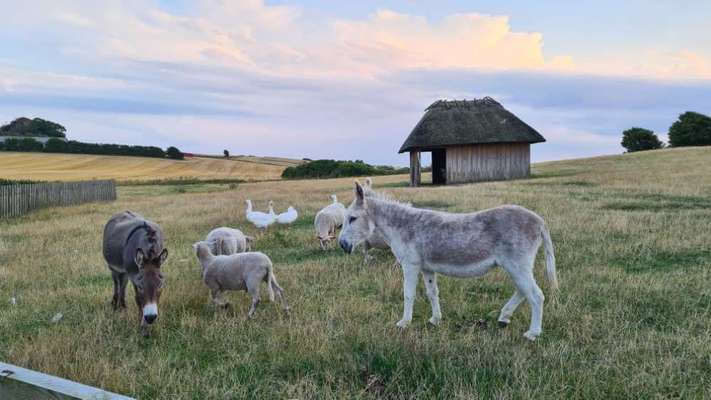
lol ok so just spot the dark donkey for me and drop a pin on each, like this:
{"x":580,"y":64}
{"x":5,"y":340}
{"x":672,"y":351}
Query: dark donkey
{"x":133,"y":249}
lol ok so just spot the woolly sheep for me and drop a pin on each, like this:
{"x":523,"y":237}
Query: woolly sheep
{"x":242,"y":271}
{"x":226,"y":241}
{"x":328,"y":220}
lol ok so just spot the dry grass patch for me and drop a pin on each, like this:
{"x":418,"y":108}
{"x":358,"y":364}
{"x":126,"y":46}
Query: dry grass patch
{"x":72,"y":167}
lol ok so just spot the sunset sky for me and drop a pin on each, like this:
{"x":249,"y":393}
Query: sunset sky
{"x":349,"y":80}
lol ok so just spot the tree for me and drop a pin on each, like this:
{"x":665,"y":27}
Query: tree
{"x":55,"y":145}
{"x":691,"y":129}
{"x":226,"y":153}
{"x":174,"y":153}
{"x":33,"y":127}
{"x":639,"y":139}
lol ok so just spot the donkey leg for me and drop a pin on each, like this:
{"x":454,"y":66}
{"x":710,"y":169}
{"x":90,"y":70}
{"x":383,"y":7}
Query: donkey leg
{"x":366,"y":255}
{"x":526,"y":285}
{"x":409,"y":288}
{"x":509,"y":308}
{"x":145,"y":327}
{"x":282,"y":299}
{"x":430,"y":280}
{"x":123,"y":281}
{"x":115,"y":297}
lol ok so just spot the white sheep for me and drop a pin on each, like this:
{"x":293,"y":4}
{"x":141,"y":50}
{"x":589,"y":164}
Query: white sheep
{"x":328,"y":220}
{"x":226,"y":241}
{"x":242,"y":271}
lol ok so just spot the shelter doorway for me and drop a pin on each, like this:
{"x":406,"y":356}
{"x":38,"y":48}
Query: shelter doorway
{"x":439,"y":167}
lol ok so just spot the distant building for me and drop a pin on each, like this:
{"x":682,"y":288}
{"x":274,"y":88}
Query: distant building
{"x":471,"y":141}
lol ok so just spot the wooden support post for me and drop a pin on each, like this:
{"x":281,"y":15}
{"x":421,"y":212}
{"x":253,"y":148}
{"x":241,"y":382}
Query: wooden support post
{"x":415,"y":177}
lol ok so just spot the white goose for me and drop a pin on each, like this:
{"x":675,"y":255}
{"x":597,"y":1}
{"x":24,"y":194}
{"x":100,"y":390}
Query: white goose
{"x":288,"y":217}
{"x":259,"y":219}
{"x":271,"y":209}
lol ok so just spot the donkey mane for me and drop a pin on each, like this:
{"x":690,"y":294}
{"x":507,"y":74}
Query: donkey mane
{"x":384,"y":197}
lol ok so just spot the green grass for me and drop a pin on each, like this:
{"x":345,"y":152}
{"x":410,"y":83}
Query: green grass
{"x":632,"y":318}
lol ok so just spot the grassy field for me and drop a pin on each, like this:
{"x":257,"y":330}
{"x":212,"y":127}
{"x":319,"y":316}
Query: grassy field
{"x":632,"y":236}
{"x":72,"y":167}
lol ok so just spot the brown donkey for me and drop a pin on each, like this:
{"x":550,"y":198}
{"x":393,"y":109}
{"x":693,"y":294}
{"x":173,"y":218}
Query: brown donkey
{"x":133,"y":249}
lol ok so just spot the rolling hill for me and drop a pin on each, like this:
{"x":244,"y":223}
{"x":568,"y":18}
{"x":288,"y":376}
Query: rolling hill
{"x":72,"y":167}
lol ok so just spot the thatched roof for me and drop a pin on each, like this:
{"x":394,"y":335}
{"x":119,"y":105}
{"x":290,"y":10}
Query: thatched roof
{"x":455,"y":123}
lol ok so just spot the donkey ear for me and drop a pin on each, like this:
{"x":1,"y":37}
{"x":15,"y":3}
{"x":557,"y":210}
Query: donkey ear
{"x":163,"y":255}
{"x":139,"y":258}
{"x":368,"y":183}
{"x":360,"y":195}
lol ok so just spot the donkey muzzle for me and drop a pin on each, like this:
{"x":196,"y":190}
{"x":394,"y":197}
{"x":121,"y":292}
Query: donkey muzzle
{"x":150,"y":313}
{"x":347,"y":247}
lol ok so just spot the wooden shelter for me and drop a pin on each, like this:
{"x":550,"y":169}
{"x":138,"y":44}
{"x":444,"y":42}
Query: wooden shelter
{"x":471,"y":141}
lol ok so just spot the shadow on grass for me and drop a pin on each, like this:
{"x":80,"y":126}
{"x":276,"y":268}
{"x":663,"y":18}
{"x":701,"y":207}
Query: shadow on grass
{"x":658,"y":202}
{"x":662,"y":260}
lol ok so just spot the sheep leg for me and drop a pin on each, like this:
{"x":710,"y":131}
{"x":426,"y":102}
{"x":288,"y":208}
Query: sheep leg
{"x":217,"y":298}
{"x":253,"y":291}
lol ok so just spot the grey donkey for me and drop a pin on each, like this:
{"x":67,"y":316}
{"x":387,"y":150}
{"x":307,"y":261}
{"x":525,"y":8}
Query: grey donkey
{"x":133,"y":249}
{"x":241,"y":271}
{"x":460,"y":245}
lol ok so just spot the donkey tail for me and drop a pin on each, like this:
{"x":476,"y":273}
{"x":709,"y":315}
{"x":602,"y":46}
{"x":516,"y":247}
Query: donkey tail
{"x":551,"y":275}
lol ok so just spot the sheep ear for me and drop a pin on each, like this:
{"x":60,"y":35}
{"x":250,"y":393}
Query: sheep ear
{"x":139,"y":258}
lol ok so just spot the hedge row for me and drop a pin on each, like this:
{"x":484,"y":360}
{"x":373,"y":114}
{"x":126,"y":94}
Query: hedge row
{"x":337,"y":169}
{"x":74,"y":147}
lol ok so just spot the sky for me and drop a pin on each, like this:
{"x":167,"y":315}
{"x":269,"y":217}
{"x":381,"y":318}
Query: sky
{"x":349,"y":80}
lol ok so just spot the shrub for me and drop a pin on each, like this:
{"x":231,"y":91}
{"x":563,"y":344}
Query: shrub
{"x":337,"y":169}
{"x":226,"y":153}
{"x":174,"y":153}
{"x":7,"y":182}
{"x":691,"y":129}
{"x":639,"y":139}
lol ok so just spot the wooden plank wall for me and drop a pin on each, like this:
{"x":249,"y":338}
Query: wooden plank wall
{"x":16,"y":200}
{"x":488,"y":162}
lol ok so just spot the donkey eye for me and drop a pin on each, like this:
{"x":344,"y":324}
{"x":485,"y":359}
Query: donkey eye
{"x":351,"y":219}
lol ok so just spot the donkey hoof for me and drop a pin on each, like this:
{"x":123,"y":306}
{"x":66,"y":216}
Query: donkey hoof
{"x":532,"y":336}
{"x":402,"y":324}
{"x":504,"y":324}
{"x":435,"y":321}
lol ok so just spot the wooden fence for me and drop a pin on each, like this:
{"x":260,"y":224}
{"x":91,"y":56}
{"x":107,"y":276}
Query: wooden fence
{"x":19,"y":199}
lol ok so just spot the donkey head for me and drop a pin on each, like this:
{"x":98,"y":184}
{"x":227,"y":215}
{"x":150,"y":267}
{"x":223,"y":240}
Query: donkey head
{"x":149,"y":282}
{"x":358,"y":225}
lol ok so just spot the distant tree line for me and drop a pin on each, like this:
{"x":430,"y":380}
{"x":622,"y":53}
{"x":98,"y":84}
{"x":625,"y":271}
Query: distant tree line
{"x":55,"y":145}
{"x":26,"y":129}
{"x":691,"y":129}
{"x":33,"y":127}
{"x":337,"y":169}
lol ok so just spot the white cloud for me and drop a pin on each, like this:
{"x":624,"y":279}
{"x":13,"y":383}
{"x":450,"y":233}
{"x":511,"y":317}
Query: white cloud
{"x":264,"y":79}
